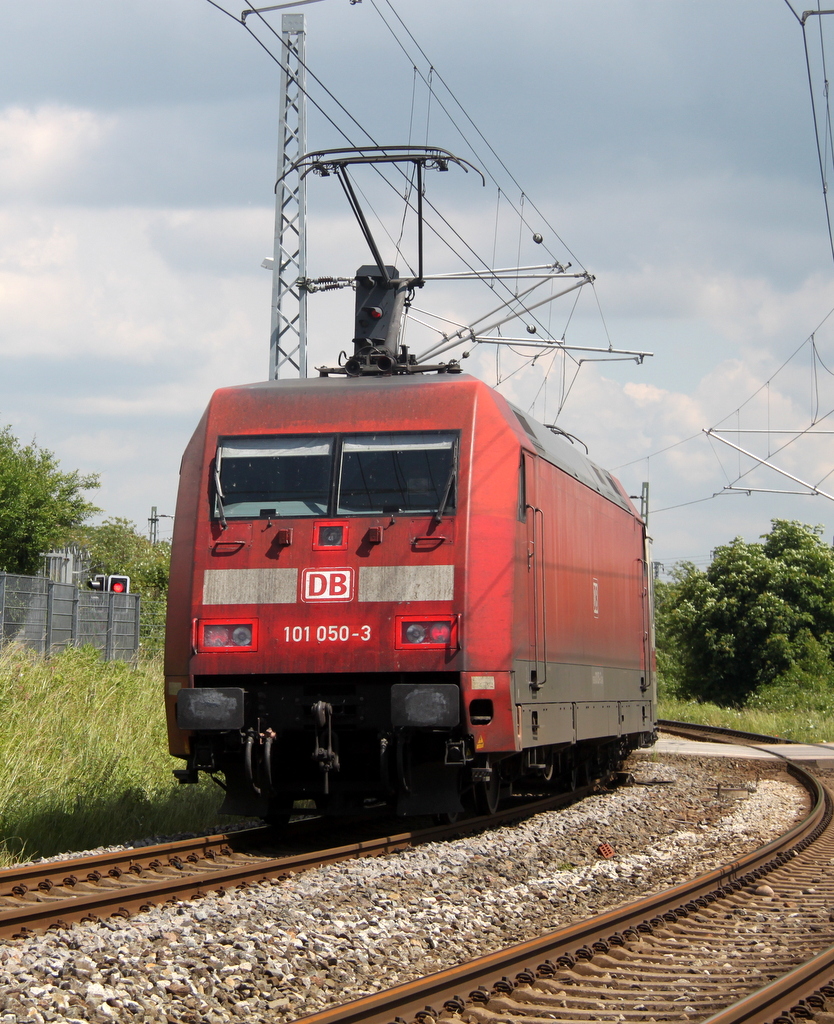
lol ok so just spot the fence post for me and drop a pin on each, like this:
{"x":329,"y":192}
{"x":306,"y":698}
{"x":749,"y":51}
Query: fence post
{"x":108,"y":642}
{"x":2,"y":606}
{"x":50,"y":616}
{"x":74,"y":620}
{"x":137,"y":619}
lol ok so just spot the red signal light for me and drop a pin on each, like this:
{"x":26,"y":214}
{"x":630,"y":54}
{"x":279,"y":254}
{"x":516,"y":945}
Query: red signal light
{"x":118,"y":584}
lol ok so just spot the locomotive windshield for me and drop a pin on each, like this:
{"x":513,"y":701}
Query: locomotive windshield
{"x":353,"y":474}
{"x":396,"y":473}
{"x":275,"y":476}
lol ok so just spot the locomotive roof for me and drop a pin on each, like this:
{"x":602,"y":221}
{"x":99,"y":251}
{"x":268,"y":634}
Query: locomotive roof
{"x":559,"y":450}
{"x":555,"y":448}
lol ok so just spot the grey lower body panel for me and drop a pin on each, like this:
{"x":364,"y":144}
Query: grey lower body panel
{"x":582,"y":702}
{"x":569,"y":722}
{"x":579,"y":683}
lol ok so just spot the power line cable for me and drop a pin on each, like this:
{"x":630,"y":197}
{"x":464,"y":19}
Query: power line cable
{"x":343,"y":133}
{"x":820,"y":157}
{"x":523,"y":310}
{"x":460,"y":106}
{"x":660,"y":451}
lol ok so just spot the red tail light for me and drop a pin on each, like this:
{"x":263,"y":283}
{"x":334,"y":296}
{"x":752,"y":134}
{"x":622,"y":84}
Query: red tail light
{"x":419,"y":632}
{"x":224,"y":635}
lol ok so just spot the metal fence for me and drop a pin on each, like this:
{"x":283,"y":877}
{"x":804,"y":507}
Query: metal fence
{"x":152,"y":625}
{"x":50,"y":616}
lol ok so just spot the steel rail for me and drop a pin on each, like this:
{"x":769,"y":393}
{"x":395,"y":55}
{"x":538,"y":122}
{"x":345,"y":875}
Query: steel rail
{"x":53,"y":871}
{"x":782,"y":996}
{"x":452,"y":989}
{"x":723,"y":734}
{"x":38,"y":896}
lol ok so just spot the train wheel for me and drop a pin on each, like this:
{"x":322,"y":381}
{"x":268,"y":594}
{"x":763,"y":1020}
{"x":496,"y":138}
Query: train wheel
{"x":487,"y":794}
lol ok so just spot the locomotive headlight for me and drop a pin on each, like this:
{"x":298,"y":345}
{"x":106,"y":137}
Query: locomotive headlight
{"x":435,"y":633}
{"x":212,"y":635}
{"x":415,"y":633}
{"x":242,"y":636}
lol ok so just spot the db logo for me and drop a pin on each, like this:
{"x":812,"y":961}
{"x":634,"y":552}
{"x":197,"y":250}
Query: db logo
{"x":327,"y":585}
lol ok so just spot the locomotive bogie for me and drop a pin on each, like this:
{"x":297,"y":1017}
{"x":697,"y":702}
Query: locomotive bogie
{"x":408,"y":616}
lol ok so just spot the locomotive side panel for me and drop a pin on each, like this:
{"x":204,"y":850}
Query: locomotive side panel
{"x":492,"y":572}
{"x":581,"y":666}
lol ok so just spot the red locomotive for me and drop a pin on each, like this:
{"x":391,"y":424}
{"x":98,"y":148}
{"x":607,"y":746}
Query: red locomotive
{"x":395,"y":590}
{"x":399,"y":591}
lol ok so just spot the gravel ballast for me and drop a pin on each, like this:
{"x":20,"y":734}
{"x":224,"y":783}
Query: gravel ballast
{"x":278,"y":950}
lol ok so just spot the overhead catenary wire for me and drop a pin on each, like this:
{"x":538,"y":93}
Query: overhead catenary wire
{"x":523,"y":196}
{"x":428,"y":82}
{"x":246,"y":25}
{"x":815,"y":419}
{"x":763,"y":386}
{"x":454,"y":241}
{"x":824,"y":146}
{"x":460,"y":106}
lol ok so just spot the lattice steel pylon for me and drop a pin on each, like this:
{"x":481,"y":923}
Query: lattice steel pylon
{"x":288,"y":328}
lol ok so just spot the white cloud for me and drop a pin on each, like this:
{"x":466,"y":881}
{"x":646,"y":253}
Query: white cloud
{"x":41,"y":146}
{"x":111,"y":282}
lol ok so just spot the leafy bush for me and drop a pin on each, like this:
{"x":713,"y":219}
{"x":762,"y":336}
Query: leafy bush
{"x":760,"y":620}
{"x":117,"y":547}
{"x":39,"y":504}
{"x":808,"y":685}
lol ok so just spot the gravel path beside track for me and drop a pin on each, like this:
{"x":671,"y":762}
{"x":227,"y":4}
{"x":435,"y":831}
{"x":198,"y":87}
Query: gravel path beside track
{"x":278,"y":950}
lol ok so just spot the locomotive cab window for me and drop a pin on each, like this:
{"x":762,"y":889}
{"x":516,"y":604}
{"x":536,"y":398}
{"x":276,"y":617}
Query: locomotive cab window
{"x":382,"y":473}
{"x":261,"y":477}
{"x":326,"y":475}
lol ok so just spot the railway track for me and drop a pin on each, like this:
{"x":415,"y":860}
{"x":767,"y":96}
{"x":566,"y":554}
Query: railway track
{"x":747,"y":942}
{"x":35,"y":897}
{"x":721,"y":734}
{"x":685,"y":954}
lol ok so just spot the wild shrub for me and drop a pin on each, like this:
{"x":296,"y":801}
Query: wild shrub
{"x":762,"y":614}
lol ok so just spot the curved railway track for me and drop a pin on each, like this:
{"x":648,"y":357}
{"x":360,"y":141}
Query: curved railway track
{"x":747,"y":942}
{"x":721,"y":734}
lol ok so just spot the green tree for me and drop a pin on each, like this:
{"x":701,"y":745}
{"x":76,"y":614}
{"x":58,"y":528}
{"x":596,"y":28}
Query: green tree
{"x":760,"y":612}
{"x":39,"y":503}
{"x":668,"y":657}
{"x":117,"y":547}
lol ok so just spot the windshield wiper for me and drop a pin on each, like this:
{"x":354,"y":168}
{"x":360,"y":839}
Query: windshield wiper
{"x":438,"y":515}
{"x":219,"y":491}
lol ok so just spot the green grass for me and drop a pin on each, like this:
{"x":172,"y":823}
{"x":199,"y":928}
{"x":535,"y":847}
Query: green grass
{"x":83,"y":756}
{"x":806,"y":725}
{"x":84,"y":759}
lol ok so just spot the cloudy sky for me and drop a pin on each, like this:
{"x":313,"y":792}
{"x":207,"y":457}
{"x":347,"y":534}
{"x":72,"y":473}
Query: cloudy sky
{"x":666,"y":147}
